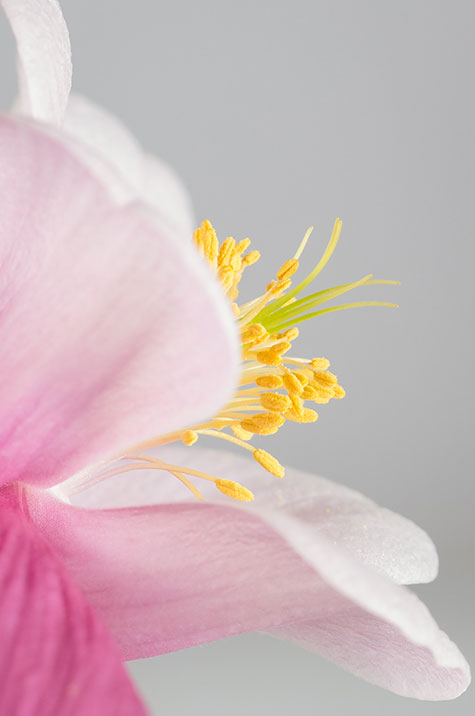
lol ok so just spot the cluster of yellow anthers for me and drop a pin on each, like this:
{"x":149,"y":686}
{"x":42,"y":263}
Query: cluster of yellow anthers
{"x":274,"y":386}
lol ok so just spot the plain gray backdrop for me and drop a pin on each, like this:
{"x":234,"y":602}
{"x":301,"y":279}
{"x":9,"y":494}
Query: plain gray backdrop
{"x":283,"y":114}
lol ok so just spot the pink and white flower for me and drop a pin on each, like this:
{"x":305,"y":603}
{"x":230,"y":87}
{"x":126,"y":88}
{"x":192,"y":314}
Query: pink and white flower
{"x":112,"y":331}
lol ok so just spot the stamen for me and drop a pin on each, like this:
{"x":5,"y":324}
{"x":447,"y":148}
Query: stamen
{"x":269,"y":463}
{"x":268,"y":328}
{"x":234,"y":490}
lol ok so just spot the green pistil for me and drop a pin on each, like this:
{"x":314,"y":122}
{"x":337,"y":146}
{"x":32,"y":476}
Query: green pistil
{"x":288,"y":315}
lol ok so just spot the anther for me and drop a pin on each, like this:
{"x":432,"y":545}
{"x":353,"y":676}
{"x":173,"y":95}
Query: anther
{"x":234,"y":490}
{"x":251,"y":258}
{"x":325,"y":379}
{"x":263,"y":423}
{"x":306,"y":416}
{"x":269,"y":463}
{"x":339,"y":392}
{"x":309,"y":393}
{"x":276,"y":402}
{"x":226,"y":276}
{"x":319,"y":364}
{"x":269,"y":381}
{"x":287,"y":269}
{"x":189,"y":437}
{"x":292,"y":384}
{"x":225,"y":251}
{"x":240,"y":432}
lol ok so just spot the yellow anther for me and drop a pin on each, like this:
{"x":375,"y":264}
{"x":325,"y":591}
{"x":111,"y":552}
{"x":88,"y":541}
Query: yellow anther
{"x":288,"y":269}
{"x":276,"y":402}
{"x":302,"y":377}
{"x":309,"y":393}
{"x":325,"y":379}
{"x":305,"y":416}
{"x":225,"y":251}
{"x":269,"y":463}
{"x":339,"y":392}
{"x":271,"y":356}
{"x":255,"y":330}
{"x":234,"y":490}
{"x":279,"y":287}
{"x":324,"y":392}
{"x":226,"y":276}
{"x":189,"y":437}
{"x":292,"y":384}
{"x":242,"y":246}
{"x":269,"y":381}
{"x":251,"y":258}
{"x":236,"y":309}
{"x":319,"y":364}
{"x":263,"y":423}
{"x":297,"y":405}
{"x":206,"y":239}
{"x":240,"y":432}
{"x":290,"y":335}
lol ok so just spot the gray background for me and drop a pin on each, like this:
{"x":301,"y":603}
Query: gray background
{"x":283,"y":114}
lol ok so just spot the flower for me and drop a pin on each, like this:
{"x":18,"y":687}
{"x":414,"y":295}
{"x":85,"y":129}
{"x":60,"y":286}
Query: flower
{"x":113,"y":330}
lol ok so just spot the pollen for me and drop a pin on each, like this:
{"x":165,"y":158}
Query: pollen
{"x":234,"y":490}
{"x":273,"y":379}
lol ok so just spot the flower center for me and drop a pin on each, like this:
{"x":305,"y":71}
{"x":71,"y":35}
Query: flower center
{"x":274,"y":386}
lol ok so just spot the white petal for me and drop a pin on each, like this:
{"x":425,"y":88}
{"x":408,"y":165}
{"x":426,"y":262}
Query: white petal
{"x":146,"y":177}
{"x":44,"y":57}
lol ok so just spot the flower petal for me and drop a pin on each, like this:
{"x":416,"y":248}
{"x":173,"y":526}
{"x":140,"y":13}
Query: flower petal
{"x":148,"y":179}
{"x":55,"y":658}
{"x":181,"y":574}
{"x":384,"y":540}
{"x":112,"y":330}
{"x":44,"y":57}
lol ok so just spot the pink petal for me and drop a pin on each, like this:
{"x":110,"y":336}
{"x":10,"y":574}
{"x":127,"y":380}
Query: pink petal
{"x":112,"y":330}
{"x":146,"y":177}
{"x":44,"y":57}
{"x":55,"y":656}
{"x":384,"y":540}
{"x":180,"y":574}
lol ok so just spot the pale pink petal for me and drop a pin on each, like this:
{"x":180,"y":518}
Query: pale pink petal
{"x":176,"y":575}
{"x":146,"y":177}
{"x":112,"y":330}
{"x":55,"y":656}
{"x":389,"y":543}
{"x":44,"y":57}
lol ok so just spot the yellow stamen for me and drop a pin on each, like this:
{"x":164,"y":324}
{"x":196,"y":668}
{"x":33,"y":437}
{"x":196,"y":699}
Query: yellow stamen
{"x":268,"y":328}
{"x":292,"y":384}
{"x":234,"y":490}
{"x":269,"y":463}
{"x":288,"y":269}
{"x":319,"y":364}
{"x":269,"y":381}
{"x":275,"y":401}
{"x":263,"y":423}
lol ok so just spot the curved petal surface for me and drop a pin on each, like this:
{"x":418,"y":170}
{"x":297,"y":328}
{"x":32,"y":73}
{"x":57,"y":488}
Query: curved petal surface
{"x":112,"y":330}
{"x":147,"y":178}
{"x":44,"y":57}
{"x":181,"y":574}
{"x":56,"y":658}
{"x":384,"y":540}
